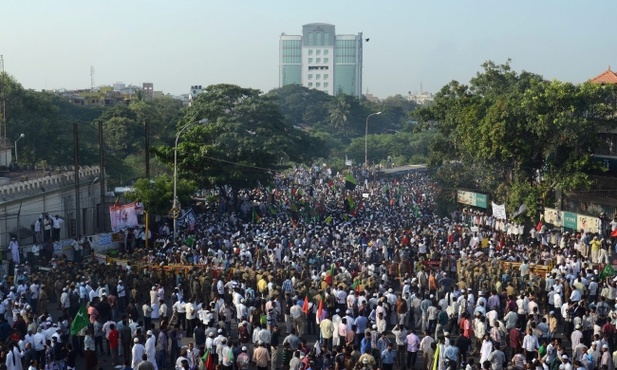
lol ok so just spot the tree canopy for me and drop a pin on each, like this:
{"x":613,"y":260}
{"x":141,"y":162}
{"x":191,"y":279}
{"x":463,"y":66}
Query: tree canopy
{"x":244,"y":142}
{"x":530,"y":135}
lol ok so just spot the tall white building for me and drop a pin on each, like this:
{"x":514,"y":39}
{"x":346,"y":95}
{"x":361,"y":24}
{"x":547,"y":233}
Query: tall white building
{"x":320,"y":59}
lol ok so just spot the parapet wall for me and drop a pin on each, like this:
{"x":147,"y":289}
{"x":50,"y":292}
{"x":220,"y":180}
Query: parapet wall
{"x":62,"y":177}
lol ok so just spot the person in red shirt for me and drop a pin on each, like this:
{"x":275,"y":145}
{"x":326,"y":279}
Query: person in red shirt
{"x":465,"y":326}
{"x":114,"y":342}
{"x":516,"y":342}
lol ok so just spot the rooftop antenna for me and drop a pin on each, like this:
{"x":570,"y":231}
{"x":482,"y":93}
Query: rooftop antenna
{"x":91,"y":78}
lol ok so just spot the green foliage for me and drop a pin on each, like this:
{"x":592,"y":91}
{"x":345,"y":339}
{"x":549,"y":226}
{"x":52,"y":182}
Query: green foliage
{"x":157,"y":194}
{"x":244,"y":142}
{"x":403,"y":148}
{"x":47,"y":121}
{"x":339,"y":114}
{"x":522,"y":131}
{"x":301,"y":105}
{"x":124,"y":135}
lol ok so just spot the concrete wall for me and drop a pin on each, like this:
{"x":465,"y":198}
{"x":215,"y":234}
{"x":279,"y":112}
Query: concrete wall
{"x":21,"y":203}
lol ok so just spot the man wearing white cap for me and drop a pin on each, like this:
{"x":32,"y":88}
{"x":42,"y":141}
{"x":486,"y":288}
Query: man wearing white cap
{"x":151,"y":348}
{"x":576,"y":336}
{"x":137,"y":351}
{"x":606,"y":359}
{"x":336,"y":320}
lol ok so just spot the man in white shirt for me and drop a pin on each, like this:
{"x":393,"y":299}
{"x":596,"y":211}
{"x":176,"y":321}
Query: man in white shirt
{"x":155,"y":314}
{"x":163,"y":310}
{"x":34,"y":294}
{"x":57,"y":225}
{"x":191,"y":316}
{"x":121,"y":294}
{"x":530,"y":346}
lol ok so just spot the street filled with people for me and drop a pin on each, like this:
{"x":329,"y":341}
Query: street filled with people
{"x":322,"y":271}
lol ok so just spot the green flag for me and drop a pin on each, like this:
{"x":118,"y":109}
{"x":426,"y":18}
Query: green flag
{"x":328,"y":219}
{"x":350,"y":182}
{"x":608,"y":270}
{"x":80,"y":321}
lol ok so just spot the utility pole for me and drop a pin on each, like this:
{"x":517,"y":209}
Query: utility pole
{"x":77,"y":192}
{"x":147,"y":152}
{"x":102,"y":178}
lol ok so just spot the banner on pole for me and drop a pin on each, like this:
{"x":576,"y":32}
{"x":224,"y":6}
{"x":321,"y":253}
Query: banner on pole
{"x":123,"y":216}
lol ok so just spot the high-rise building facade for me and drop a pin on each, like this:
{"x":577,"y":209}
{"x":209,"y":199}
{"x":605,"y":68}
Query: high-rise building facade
{"x":320,"y":59}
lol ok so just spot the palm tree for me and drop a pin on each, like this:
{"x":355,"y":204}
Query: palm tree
{"x":339,"y":113}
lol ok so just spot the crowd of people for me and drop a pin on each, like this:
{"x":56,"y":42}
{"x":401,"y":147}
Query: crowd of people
{"x":324,"y":272}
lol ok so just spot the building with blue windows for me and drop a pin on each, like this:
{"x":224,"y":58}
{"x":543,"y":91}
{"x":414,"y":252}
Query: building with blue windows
{"x":320,"y":59}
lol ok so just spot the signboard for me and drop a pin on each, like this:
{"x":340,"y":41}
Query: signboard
{"x":472,"y":199}
{"x":569,"y":220}
{"x":588,"y":223}
{"x":117,"y":237}
{"x":552,"y":216}
{"x":578,"y":222}
{"x":105,"y":240}
{"x":609,"y":163}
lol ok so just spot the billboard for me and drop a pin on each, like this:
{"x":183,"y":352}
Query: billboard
{"x":472,"y":199}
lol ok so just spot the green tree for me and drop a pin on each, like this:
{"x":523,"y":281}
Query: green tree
{"x":301,"y":105}
{"x":339,"y":114}
{"x":520,"y":128}
{"x":244,"y":142}
{"x":47,"y":121}
{"x":157,"y":194}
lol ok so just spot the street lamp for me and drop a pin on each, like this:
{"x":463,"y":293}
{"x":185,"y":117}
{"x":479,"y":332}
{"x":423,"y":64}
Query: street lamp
{"x":175,"y":210}
{"x":19,"y":138}
{"x":366,"y":138}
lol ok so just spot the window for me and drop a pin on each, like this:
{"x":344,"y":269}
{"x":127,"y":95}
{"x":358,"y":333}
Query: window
{"x":310,"y":76}
{"x":310,"y":52}
{"x":326,"y":76}
{"x":325,"y":60}
{"x":325,"y":84}
{"x":310,"y":84}
{"x":326,"y":52}
{"x":318,"y":52}
{"x":318,"y":76}
{"x":318,"y":60}
{"x":318,"y":84}
{"x":310,"y":60}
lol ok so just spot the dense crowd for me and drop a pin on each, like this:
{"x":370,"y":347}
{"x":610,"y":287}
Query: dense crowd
{"x":324,"y":272}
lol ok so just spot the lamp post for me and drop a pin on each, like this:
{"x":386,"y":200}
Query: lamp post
{"x":19,"y":138}
{"x":175,"y":210}
{"x":366,"y":138}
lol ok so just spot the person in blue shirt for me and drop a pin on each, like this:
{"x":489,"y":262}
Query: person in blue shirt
{"x":388,"y":357}
{"x":365,"y":344}
{"x":451,"y":353}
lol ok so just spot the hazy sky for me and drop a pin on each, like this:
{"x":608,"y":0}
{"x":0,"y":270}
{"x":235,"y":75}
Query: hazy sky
{"x":175,"y":44}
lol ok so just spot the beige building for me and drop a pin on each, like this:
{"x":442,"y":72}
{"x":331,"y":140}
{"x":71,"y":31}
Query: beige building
{"x":25,"y":196}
